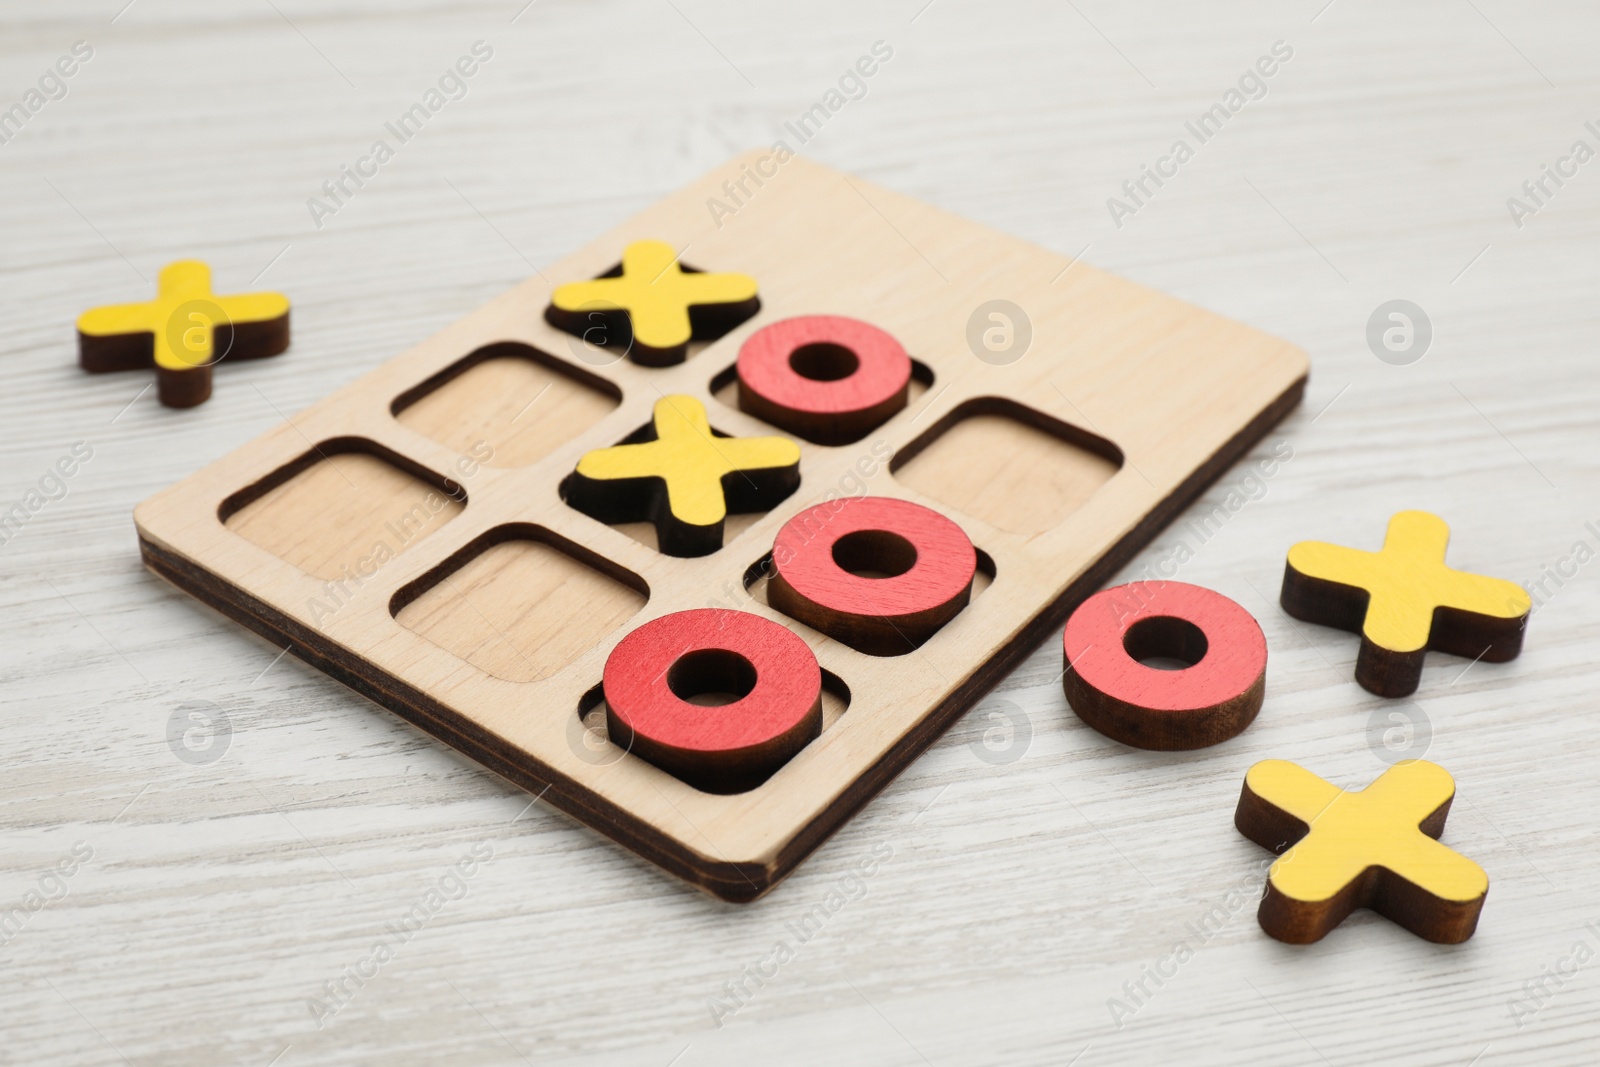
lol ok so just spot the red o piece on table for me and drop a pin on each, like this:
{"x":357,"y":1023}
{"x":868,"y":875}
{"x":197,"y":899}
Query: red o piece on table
{"x":819,"y":557}
{"x":654,"y":673}
{"x":1211,"y":700}
{"x":826,"y":378}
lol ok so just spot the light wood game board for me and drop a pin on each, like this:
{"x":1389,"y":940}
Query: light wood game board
{"x":408,"y":534}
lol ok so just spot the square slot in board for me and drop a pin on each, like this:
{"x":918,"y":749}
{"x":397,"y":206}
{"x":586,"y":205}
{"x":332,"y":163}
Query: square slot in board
{"x":1007,"y":464}
{"x":510,"y":403}
{"x":520,"y":603}
{"x":1023,"y":457}
{"x":343,"y":509}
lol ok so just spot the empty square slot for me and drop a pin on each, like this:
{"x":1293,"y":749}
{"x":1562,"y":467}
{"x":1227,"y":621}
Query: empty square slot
{"x":344,"y":509}
{"x":590,"y":740}
{"x":520,"y":602}
{"x":1013,"y":467}
{"x":510,"y":399}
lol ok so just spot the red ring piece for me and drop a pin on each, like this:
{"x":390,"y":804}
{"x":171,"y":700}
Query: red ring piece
{"x":880,"y":616}
{"x":1206,"y":703}
{"x":726,"y":749}
{"x":833,"y":412}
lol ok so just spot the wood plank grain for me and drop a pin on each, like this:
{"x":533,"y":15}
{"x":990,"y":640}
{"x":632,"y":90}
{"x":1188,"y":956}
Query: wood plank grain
{"x":1007,"y":902}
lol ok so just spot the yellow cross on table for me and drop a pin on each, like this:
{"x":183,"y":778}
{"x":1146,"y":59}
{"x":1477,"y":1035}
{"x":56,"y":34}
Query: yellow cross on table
{"x":1403,"y":601}
{"x":1374,"y":848}
{"x":684,"y":479}
{"x":665,"y":305}
{"x":179,"y":332}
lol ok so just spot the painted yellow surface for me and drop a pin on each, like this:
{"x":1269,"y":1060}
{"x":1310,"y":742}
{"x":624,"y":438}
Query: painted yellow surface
{"x":655,"y":292}
{"x":1408,"y":579}
{"x":689,"y":459}
{"x":1352,"y":830}
{"x":183,"y":316}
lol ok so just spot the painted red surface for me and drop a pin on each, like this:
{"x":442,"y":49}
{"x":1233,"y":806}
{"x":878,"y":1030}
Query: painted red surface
{"x":1236,"y":652}
{"x":882,"y":373}
{"x":946,"y":561}
{"x":787,"y":689}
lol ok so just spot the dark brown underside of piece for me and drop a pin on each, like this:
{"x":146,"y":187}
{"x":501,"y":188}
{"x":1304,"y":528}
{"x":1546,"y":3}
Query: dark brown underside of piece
{"x":619,"y":500}
{"x":103,"y":354}
{"x":720,"y":772}
{"x":876,"y":635}
{"x":1299,"y":922}
{"x":614,"y":329}
{"x":1396,"y":674}
{"x":1163,"y":731}
{"x":822,"y":429}
{"x":738,"y":882}
{"x":184,"y":388}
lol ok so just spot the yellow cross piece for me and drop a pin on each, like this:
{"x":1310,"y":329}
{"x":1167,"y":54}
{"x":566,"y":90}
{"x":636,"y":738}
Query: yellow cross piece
{"x":1375,"y":848}
{"x":665,"y":305}
{"x":684,"y":478}
{"x":1403,"y":601}
{"x":178,"y":332}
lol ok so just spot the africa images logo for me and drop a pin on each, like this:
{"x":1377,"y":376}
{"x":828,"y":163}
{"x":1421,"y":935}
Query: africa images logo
{"x":1252,"y":85}
{"x":452,"y":85}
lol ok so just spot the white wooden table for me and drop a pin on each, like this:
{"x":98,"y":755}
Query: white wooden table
{"x":209,"y":904}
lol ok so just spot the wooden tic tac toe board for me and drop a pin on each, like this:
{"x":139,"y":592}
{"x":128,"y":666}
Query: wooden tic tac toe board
{"x":409,"y":534}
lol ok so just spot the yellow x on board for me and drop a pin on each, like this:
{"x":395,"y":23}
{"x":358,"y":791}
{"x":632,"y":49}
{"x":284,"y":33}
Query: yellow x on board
{"x":686,"y":480}
{"x":666,"y":305}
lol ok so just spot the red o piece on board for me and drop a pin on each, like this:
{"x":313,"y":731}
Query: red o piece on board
{"x":1211,"y":700}
{"x":925,"y":565}
{"x":655,"y":673}
{"x":826,"y":378}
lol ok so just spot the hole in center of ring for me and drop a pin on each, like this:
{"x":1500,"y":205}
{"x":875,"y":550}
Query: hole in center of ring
{"x":711,"y":677}
{"x":824,"y":362}
{"x":874,"y":554}
{"x":1166,"y":643}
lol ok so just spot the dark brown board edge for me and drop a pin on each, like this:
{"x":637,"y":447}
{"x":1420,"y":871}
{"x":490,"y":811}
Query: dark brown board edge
{"x":1032,"y":635}
{"x":734,"y":882}
{"x":730,"y":881}
{"x":1408,"y":905}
